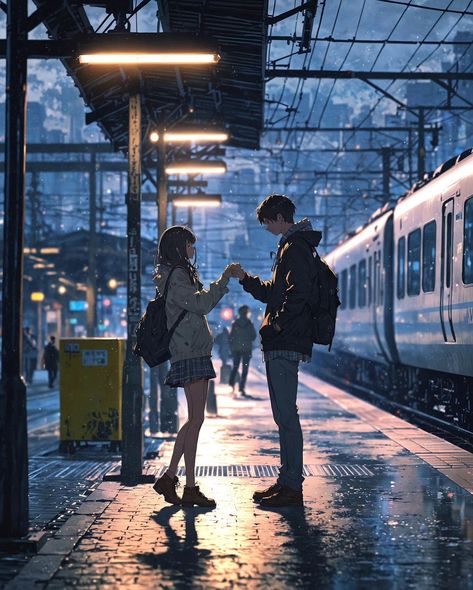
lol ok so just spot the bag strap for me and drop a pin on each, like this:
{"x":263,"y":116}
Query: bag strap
{"x":166,"y":285}
{"x":177,"y":322}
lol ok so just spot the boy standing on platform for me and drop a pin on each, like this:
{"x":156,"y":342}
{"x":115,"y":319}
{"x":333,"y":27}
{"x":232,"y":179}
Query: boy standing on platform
{"x":286,"y":336}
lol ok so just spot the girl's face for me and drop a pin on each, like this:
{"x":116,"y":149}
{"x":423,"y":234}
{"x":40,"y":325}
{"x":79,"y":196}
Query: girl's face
{"x":190,"y":250}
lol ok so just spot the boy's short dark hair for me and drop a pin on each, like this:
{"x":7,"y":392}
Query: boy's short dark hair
{"x":274,"y":204}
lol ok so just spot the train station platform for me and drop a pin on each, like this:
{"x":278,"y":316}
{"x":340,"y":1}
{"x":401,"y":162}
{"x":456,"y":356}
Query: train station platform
{"x":386,"y":505}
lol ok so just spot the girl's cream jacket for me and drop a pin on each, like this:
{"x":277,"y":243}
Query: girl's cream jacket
{"x":192,"y":337}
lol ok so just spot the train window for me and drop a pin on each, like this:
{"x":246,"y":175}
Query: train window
{"x":352,"y":287}
{"x":401,"y":268}
{"x":370,"y":270}
{"x":343,"y":289}
{"x":362,"y":283}
{"x":428,"y":256}
{"x":468,"y":243}
{"x":413,"y":263}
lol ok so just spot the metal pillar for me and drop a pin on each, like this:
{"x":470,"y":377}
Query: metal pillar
{"x":386,"y":155}
{"x":421,"y":146}
{"x":168,"y":406}
{"x":13,"y":426}
{"x":92,"y":254}
{"x":132,"y":406}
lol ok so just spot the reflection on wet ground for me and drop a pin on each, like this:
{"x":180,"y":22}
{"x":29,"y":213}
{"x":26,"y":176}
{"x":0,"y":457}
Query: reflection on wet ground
{"x":407,"y":526}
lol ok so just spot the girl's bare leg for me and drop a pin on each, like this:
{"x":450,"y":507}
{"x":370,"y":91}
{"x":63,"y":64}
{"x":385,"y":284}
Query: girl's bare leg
{"x":188,"y":436}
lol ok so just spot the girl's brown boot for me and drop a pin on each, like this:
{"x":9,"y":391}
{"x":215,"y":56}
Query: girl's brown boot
{"x":166,"y":486}
{"x":193,"y":496}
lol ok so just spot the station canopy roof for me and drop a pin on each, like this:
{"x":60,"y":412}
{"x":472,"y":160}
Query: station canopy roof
{"x":229,"y":94}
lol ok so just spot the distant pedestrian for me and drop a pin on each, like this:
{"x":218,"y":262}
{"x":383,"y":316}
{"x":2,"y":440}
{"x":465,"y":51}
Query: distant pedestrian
{"x":51,"y":360}
{"x":30,"y":352}
{"x":190,"y":347}
{"x":242,"y":336}
{"x":222,"y":342}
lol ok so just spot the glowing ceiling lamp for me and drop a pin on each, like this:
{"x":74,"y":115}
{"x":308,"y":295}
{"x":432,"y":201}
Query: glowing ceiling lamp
{"x":162,"y":49}
{"x":197,"y":200}
{"x":196,"y":167}
{"x":191,"y":136}
{"x":124,"y":58}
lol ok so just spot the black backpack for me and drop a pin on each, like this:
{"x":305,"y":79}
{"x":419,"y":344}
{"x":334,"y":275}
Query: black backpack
{"x":325,"y":302}
{"x":152,"y":334}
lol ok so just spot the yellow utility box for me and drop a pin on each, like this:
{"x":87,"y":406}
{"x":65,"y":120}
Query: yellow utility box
{"x":91,"y":388}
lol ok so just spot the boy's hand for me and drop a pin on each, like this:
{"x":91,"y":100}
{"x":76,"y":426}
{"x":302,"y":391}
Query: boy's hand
{"x":238,"y":271}
{"x":234,"y":270}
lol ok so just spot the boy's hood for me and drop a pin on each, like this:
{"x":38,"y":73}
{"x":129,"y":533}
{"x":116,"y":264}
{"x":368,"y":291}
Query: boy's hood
{"x":304,"y":230}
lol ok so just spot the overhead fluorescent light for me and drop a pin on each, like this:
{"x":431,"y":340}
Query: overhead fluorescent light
{"x":197,"y":167}
{"x":197,"y":200}
{"x":174,"y":59}
{"x":190,"y":136}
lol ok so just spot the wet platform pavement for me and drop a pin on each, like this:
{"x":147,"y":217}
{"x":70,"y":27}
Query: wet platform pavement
{"x":386,"y":505}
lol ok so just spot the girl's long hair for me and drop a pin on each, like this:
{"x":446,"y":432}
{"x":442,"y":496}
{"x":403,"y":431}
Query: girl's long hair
{"x":172,"y":250}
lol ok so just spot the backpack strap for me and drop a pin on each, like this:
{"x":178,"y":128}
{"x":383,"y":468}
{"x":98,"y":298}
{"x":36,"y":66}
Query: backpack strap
{"x":166,"y":284}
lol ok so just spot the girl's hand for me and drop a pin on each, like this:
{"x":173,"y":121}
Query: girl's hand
{"x":234,"y":270}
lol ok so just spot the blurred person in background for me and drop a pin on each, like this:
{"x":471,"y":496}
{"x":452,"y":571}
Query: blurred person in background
{"x":242,"y":336}
{"x":51,"y":360}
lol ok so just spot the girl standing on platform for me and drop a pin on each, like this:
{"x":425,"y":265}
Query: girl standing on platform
{"x":190,"y":347}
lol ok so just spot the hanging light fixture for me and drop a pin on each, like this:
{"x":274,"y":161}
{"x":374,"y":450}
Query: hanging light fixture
{"x":197,"y":200}
{"x":196,"y":167}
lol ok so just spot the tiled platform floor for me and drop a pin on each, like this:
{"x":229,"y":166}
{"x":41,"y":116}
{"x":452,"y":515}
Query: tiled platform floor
{"x":407,"y":522}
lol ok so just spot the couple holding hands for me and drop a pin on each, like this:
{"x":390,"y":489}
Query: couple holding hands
{"x":286,"y":340}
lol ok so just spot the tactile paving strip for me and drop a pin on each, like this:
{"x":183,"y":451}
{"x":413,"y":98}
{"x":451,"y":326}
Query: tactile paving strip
{"x":63,"y":469}
{"x":328,"y":470}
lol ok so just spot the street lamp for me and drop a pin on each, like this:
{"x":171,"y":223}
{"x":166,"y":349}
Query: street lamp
{"x":196,"y":167}
{"x":190,"y":136}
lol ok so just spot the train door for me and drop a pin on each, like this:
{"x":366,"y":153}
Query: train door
{"x":446,"y":282}
{"x":378,"y":309}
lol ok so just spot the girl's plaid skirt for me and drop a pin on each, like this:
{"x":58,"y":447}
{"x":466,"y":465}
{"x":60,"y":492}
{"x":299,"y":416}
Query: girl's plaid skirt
{"x":190,"y":370}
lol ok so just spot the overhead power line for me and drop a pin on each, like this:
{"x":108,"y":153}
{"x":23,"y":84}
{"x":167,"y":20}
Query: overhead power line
{"x":444,"y":10}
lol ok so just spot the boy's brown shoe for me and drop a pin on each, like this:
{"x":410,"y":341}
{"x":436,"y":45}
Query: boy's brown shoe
{"x":266,"y":493}
{"x":193,"y":496}
{"x":167,"y":487}
{"x":285,"y":497}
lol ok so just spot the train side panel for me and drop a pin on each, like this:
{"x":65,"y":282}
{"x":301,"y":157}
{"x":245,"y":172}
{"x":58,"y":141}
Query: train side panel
{"x":363,"y":266}
{"x":431,"y":302}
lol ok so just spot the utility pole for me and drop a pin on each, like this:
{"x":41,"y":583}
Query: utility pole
{"x":92,"y":253}
{"x":421,"y":146}
{"x":168,"y":406}
{"x":386,"y":155}
{"x":132,"y":406}
{"x":13,"y":426}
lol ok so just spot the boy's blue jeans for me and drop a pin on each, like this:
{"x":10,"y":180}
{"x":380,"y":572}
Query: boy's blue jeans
{"x":282,"y":378}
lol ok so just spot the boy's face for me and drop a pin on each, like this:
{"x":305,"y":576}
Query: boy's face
{"x":274,"y":226}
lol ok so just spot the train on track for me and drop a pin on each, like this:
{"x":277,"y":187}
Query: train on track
{"x":405,"y":324}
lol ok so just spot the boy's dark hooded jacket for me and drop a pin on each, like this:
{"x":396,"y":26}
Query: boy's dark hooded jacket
{"x":287,"y":294}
